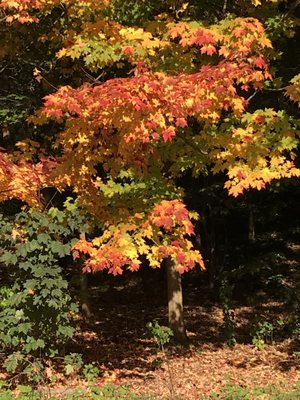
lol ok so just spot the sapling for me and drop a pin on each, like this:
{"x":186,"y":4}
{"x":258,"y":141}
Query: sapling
{"x":162,"y":335}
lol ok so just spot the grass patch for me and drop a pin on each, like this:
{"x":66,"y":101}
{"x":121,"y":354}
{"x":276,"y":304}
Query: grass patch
{"x":113,"y":392}
{"x":269,"y":392}
{"x":107,"y":392}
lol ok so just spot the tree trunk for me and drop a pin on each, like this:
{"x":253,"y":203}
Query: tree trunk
{"x":175,"y":303}
{"x":251,"y":233}
{"x":84,"y":298}
{"x":84,"y":291}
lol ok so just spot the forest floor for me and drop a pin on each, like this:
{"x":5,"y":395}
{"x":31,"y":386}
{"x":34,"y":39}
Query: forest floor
{"x":118,"y":344}
{"x":115,"y":341}
{"x":126,"y":357}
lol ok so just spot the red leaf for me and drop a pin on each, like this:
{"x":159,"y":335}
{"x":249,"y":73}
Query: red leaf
{"x":259,"y":119}
{"x":169,"y":133}
{"x":241,"y":174}
{"x":209,"y":50}
{"x":181,"y":122}
{"x":128,"y":50}
{"x":260,"y":62}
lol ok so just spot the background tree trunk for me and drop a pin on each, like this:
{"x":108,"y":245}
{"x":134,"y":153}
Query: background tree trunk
{"x":84,"y":298}
{"x":175,"y":303}
{"x":251,"y":232}
{"x":83,"y":289}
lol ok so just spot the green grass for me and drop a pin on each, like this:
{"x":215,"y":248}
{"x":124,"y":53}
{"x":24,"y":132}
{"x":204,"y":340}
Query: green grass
{"x":112,"y":392}
{"x":107,"y":392}
{"x":269,"y":392}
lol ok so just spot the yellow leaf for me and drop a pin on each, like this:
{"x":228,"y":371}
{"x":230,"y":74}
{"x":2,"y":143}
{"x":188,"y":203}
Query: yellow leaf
{"x":256,"y":3}
{"x":189,"y":102}
{"x":61,"y":53}
{"x":131,"y":252}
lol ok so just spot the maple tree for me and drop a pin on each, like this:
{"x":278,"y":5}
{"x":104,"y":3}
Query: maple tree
{"x":180,"y":100}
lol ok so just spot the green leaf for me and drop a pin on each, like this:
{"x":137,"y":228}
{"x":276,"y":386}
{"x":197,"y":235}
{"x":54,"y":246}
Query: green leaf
{"x":69,"y":369}
{"x":9,"y":258}
{"x":12,"y":362}
{"x":43,"y":238}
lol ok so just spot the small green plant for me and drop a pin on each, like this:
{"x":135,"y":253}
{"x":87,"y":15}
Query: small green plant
{"x":111,"y":392}
{"x":228,"y":312}
{"x":21,"y":392}
{"x":90,"y":372}
{"x":263,"y":334}
{"x":32,"y":368}
{"x":231,"y":392}
{"x":162,"y":336}
{"x":73,"y":363}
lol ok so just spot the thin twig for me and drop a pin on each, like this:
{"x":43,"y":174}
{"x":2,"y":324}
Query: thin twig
{"x":274,"y":90}
{"x":50,"y":201}
{"x":5,"y":66}
{"x":293,"y":7}
{"x":49,"y":83}
{"x":185,"y":140}
{"x":96,"y":80}
{"x":251,"y":97}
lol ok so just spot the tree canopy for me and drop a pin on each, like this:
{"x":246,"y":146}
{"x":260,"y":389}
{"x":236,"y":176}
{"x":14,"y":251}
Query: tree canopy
{"x":131,"y":98}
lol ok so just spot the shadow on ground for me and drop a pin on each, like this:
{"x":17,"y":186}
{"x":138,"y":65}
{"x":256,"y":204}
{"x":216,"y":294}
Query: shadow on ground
{"x":116,"y":339}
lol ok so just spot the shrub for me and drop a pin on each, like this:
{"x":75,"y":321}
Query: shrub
{"x":36,"y":310}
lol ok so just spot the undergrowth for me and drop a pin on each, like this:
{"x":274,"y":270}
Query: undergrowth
{"x":114,"y":392}
{"x":269,"y":392}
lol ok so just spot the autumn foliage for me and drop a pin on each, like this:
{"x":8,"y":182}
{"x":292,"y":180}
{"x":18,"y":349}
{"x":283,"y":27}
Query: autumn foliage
{"x":183,"y":102}
{"x":162,"y":234}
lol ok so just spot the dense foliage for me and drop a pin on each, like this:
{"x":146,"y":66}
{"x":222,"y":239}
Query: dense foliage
{"x":36,"y":310}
